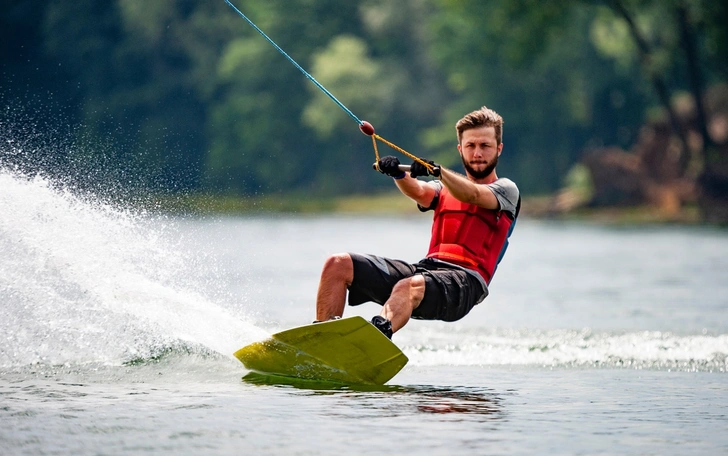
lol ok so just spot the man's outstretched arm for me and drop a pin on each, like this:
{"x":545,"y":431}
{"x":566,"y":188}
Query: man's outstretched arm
{"x":468,"y":191}
{"x":458,"y":185}
{"x":421,"y":192}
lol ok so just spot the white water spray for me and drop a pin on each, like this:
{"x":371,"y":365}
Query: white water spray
{"x":569,"y":348}
{"x":84,"y":282}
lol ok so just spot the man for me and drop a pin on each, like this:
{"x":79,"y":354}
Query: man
{"x":473,"y":217}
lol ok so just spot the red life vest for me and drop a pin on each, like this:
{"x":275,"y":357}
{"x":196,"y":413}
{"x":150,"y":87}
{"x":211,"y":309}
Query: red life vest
{"x":468,"y":235}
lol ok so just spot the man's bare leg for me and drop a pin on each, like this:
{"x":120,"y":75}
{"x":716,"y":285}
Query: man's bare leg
{"x":336,"y":276}
{"x":405,"y":298}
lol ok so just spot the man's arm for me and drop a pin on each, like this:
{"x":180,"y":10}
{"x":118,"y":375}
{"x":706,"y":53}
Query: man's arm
{"x":467,"y":191}
{"x":421,"y":192}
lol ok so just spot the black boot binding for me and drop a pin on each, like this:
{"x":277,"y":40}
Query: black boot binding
{"x":384,"y":325}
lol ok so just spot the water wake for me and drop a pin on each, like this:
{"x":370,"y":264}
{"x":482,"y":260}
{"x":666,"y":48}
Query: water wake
{"x":84,"y":282}
{"x":568,"y":348}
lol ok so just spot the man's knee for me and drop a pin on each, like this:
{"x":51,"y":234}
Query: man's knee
{"x":339,"y":265}
{"x":411,"y":287}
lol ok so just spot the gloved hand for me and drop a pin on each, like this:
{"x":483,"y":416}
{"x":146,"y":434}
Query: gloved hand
{"x":389,"y":165}
{"x":418,"y":169}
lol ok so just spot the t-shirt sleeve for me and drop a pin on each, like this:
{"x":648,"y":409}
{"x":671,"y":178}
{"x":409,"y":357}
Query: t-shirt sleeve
{"x":507,"y":194}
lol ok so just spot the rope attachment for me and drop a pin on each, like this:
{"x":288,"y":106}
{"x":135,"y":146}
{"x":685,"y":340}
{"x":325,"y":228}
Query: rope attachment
{"x":368,"y":130}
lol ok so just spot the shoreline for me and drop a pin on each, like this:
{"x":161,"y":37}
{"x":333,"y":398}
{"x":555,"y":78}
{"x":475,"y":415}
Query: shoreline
{"x":389,"y":203}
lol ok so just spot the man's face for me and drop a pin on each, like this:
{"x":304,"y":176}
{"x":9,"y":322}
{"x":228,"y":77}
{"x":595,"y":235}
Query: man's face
{"x":479,"y":151}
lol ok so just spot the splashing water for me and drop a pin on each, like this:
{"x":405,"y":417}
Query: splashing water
{"x":570,"y":348}
{"x":83,"y":282}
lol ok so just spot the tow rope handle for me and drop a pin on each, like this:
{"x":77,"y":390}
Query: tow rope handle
{"x":403,"y":168}
{"x":368,"y":130}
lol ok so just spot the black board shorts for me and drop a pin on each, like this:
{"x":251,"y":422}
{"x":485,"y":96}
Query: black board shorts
{"x":450,"y":291}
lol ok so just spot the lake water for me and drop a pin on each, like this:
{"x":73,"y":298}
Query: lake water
{"x":118,"y":328}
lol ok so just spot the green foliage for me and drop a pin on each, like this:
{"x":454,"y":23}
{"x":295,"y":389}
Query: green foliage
{"x":578,"y":181}
{"x":186,"y":95}
{"x":611,"y":38}
{"x":345,"y":69}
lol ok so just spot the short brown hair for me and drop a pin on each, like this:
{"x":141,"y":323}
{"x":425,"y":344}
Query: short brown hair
{"x":483,"y":117}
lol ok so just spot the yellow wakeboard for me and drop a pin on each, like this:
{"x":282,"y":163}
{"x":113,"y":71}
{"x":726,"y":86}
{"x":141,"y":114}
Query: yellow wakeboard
{"x":350,"y":350}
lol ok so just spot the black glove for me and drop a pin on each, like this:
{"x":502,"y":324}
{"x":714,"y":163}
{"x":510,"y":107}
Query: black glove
{"x":389,"y":165}
{"x":418,"y":169}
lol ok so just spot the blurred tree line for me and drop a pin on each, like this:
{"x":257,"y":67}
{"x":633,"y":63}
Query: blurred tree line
{"x":185,"y":95}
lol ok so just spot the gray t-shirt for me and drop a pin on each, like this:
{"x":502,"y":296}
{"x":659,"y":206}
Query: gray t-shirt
{"x":507,"y":194}
{"x":504,"y":189}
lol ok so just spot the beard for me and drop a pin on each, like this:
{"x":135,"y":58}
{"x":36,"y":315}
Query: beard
{"x":485,"y":172}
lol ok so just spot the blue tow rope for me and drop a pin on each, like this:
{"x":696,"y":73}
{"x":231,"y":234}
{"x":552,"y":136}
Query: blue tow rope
{"x":311,"y":78}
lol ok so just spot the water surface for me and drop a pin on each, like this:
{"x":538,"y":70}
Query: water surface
{"x":118,"y":328}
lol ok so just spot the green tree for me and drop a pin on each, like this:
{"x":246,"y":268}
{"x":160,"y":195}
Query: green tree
{"x":138,"y":83}
{"x":186,"y":95}
{"x":682,"y":46}
{"x":536,"y":64}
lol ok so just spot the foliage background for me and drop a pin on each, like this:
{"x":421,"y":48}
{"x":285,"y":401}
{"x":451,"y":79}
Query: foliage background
{"x":182,"y":95}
